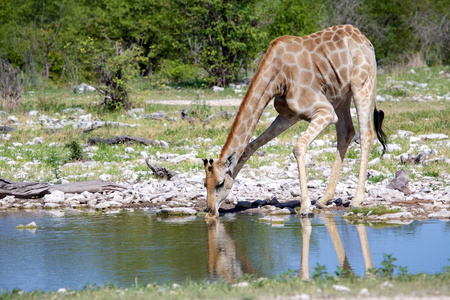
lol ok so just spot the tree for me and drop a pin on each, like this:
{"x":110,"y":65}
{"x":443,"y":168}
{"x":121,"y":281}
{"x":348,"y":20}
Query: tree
{"x":223,"y":33}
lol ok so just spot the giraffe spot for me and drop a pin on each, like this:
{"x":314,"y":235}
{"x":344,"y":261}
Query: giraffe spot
{"x":331,"y":46}
{"x":292,"y":48}
{"x":289,"y":58}
{"x":357,"y":39}
{"x":304,"y":60}
{"x":344,"y":57}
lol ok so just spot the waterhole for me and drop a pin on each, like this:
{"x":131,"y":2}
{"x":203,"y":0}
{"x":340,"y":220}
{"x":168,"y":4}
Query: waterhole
{"x":73,"y":250}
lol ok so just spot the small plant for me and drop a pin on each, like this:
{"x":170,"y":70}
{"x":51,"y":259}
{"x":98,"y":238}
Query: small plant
{"x":388,"y":266}
{"x":76,"y":153}
{"x":55,"y":163}
{"x":375,"y":179}
{"x":320,"y":271}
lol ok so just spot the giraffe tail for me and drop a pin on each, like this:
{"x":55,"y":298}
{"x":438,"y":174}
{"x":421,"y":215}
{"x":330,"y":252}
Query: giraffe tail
{"x":378,"y":116}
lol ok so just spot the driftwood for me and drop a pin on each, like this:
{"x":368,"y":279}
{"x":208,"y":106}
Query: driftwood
{"x":6,"y":128}
{"x":23,"y":189}
{"x":159,"y":171}
{"x":90,"y":186}
{"x":123,"y":139}
{"x":221,"y":114}
{"x":39,"y":189}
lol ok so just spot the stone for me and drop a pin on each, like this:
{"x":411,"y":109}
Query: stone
{"x":442,"y":214}
{"x":55,"y":197}
{"x":433,"y":136}
{"x":83,"y":88}
{"x":51,"y":205}
{"x":176,"y":211}
{"x":401,"y":182}
{"x":341,"y":288}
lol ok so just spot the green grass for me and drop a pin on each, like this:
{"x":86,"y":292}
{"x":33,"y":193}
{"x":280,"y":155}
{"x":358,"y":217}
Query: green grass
{"x":375,"y":210}
{"x":43,"y":161}
{"x":385,"y":284}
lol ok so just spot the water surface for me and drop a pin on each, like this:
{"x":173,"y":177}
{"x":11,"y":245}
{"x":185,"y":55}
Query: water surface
{"x":71,"y":250}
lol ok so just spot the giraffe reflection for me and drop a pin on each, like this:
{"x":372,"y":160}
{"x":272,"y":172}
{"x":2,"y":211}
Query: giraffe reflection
{"x":336,"y":239}
{"x":224,"y":262}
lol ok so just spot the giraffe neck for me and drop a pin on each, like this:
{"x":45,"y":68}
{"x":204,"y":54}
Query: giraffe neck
{"x":265,"y":85}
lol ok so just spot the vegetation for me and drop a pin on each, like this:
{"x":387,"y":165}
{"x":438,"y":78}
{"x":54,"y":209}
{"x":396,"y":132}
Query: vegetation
{"x":36,"y":152}
{"x":380,"y":282}
{"x":200,"y":43}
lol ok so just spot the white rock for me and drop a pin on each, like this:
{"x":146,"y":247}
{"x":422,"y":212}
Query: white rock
{"x":218,"y":89}
{"x":129,"y":150}
{"x":442,"y":214}
{"x":433,"y":136}
{"x":54,"y":197}
{"x":51,"y":205}
{"x":341,"y":288}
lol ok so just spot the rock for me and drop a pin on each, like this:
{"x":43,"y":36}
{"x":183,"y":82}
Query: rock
{"x":31,"y":225}
{"x":218,"y":89}
{"x":51,"y":205}
{"x":394,"y":216}
{"x":433,"y":136}
{"x":401,"y":182}
{"x":159,"y":115}
{"x":176,"y":211}
{"x":442,"y":214}
{"x":54,"y":197}
{"x":341,"y":288}
{"x":83,"y":88}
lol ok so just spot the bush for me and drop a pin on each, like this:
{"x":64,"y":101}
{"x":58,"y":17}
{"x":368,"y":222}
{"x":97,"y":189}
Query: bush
{"x":11,"y":85}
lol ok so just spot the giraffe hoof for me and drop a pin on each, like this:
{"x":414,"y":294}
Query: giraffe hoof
{"x":307,"y":215}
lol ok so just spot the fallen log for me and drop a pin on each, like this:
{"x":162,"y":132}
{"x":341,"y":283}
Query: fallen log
{"x":159,"y":171}
{"x":23,"y":189}
{"x":123,"y":139}
{"x":39,"y":189}
{"x":4,"y":128}
{"x":96,"y":186}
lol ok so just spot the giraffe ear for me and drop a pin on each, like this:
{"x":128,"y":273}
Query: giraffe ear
{"x":231,"y":162}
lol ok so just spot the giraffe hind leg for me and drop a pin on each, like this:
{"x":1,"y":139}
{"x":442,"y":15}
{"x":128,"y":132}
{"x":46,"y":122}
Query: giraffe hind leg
{"x":345,"y":132}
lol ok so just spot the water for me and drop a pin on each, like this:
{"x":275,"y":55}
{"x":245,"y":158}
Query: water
{"x":72,"y":250}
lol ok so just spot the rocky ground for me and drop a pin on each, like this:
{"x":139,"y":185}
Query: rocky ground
{"x":269,"y":190}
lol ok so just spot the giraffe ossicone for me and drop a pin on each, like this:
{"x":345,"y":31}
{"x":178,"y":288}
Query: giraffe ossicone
{"x":311,"y":78}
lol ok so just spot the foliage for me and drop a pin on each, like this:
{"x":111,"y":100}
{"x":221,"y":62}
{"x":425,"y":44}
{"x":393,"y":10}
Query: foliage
{"x":11,"y":85}
{"x":75,"y":151}
{"x":283,"y":286}
{"x":116,"y":68}
{"x":45,"y":38}
{"x":222,"y":34}
{"x":375,"y":210}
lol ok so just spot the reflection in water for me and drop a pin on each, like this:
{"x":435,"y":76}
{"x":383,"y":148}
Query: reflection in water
{"x":330,"y":223}
{"x":224,"y":262}
{"x":74,"y":249}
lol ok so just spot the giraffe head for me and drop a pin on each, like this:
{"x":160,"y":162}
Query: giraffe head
{"x":218,"y":183}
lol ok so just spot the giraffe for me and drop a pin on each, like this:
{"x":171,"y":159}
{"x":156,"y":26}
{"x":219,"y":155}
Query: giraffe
{"x":311,"y":78}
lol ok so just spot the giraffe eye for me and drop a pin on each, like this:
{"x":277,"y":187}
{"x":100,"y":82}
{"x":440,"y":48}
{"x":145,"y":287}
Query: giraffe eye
{"x":220,"y":184}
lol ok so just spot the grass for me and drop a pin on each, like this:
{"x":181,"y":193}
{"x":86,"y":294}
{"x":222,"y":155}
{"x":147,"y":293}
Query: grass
{"x":382,"y":282}
{"x":45,"y":161}
{"x":375,"y":210}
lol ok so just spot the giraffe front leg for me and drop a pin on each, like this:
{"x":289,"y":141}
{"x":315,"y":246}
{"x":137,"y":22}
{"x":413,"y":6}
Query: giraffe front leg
{"x":279,"y":125}
{"x":319,"y":122}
